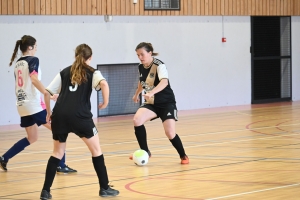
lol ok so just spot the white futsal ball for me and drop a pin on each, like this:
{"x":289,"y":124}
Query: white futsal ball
{"x":140,"y":157}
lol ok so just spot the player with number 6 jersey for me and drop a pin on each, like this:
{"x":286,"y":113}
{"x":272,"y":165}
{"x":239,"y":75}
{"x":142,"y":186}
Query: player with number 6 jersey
{"x":31,"y":108}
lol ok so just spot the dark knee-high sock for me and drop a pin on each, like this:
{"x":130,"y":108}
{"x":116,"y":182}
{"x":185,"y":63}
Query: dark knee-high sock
{"x":16,"y":148}
{"x":50,"y":172}
{"x":63,"y":161}
{"x":176,"y":142}
{"x":141,"y":136}
{"x":100,"y":169}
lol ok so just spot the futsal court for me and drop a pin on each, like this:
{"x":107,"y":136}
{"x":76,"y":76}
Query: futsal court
{"x":236,"y":153}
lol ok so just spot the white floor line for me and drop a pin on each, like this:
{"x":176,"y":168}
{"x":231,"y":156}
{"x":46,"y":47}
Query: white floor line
{"x":255,"y":191}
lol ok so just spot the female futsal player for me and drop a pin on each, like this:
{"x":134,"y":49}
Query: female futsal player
{"x":72,"y":113}
{"x":159,"y":100}
{"x":30,"y":106}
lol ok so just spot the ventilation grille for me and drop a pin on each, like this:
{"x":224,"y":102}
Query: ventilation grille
{"x":162,"y":4}
{"x":122,"y":80}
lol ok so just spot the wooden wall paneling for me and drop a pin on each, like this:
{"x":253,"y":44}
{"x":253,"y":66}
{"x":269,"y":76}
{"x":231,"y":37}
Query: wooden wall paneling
{"x":141,"y":2}
{"x":222,"y":7}
{"x":260,"y":7}
{"x":234,"y":7}
{"x":78,"y":7}
{"x":198,"y":5}
{"x":103,"y":7}
{"x":128,"y":7}
{"x":272,"y":7}
{"x":242,"y":7}
{"x":15,"y":7}
{"x":194,"y":4}
{"x":253,"y":8}
{"x":185,"y":7}
{"x":181,"y":7}
{"x":136,"y":9}
{"x":109,"y":7}
{"x":10,"y":7}
{"x":215,"y":7}
{"x":32,"y":7}
{"x":246,"y":7}
{"x":21,"y":7}
{"x":296,"y":7}
{"x":48,"y":7}
{"x":281,"y":7}
{"x":94,"y":7}
{"x":63,"y":7}
{"x":206,"y":7}
{"x":230,"y":7}
{"x":99,"y":7}
{"x":83,"y":7}
{"x":69,"y":7}
{"x":74,"y":7}
{"x":157,"y":12}
{"x":37,"y":6}
{"x":249,"y":8}
{"x":210,"y":7}
{"x":132,"y":10}
{"x":226,"y":8}
{"x":89,"y":7}
{"x":4,"y":7}
{"x":189,"y":7}
{"x":238,"y":7}
{"x":288,"y":7}
{"x":42,"y":7}
{"x":53,"y":7}
{"x":26,"y":7}
{"x":278,"y":6}
{"x":268,"y":6}
{"x":123,"y":7}
{"x":118,"y":7}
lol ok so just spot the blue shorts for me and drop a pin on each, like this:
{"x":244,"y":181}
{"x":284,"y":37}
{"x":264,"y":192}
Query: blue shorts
{"x":37,"y":118}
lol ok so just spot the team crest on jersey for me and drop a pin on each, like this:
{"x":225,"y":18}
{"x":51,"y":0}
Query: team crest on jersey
{"x":151,"y":75}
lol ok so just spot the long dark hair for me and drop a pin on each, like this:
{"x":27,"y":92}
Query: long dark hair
{"x":147,"y":46}
{"x":25,"y":42}
{"x":78,"y":73}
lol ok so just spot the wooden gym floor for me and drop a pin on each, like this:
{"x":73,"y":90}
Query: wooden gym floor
{"x":236,"y":153}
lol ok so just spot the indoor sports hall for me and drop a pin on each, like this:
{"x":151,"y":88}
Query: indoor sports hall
{"x":234,"y":67}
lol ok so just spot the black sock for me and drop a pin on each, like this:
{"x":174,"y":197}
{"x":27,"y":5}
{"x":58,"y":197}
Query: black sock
{"x":176,"y":142}
{"x":141,"y":136}
{"x":100,"y":169}
{"x":50,"y":172}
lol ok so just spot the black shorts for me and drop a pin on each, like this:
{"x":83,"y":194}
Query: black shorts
{"x":37,"y":118}
{"x":61,"y":127}
{"x":168,"y":112}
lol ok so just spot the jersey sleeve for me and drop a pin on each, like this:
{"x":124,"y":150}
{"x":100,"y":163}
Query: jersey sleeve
{"x":33,"y":65}
{"x":97,"y":78}
{"x":162,"y":72}
{"x":55,"y":86}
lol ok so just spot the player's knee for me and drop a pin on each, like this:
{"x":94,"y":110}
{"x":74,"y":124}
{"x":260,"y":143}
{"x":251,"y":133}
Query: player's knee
{"x":137,"y":121}
{"x":32,"y":139}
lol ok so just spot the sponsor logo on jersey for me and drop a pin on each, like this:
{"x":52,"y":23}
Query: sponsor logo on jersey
{"x":151,"y":75}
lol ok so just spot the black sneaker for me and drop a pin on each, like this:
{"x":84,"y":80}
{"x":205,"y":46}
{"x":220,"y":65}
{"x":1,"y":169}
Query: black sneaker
{"x":65,"y":170}
{"x":3,"y":164}
{"x":108,"y":193}
{"x":45,"y":195}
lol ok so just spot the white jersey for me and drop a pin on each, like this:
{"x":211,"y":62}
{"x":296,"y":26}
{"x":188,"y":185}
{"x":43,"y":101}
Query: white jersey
{"x":28,"y":96}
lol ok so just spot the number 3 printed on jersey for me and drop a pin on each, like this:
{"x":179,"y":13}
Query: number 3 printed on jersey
{"x":73,"y":89}
{"x":20,"y":79}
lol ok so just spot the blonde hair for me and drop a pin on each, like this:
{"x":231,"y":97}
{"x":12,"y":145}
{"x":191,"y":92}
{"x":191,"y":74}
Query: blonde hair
{"x":78,"y":70}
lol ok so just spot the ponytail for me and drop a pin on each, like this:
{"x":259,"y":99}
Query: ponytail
{"x":147,"y":46}
{"x":18,"y":43}
{"x":78,"y":74}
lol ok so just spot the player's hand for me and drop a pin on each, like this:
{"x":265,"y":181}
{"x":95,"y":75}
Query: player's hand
{"x":48,"y":118}
{"x":102,"y":105}
{"x":147,"y":96}
{"x":54,"y":97}
{"x":135,"y":98}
